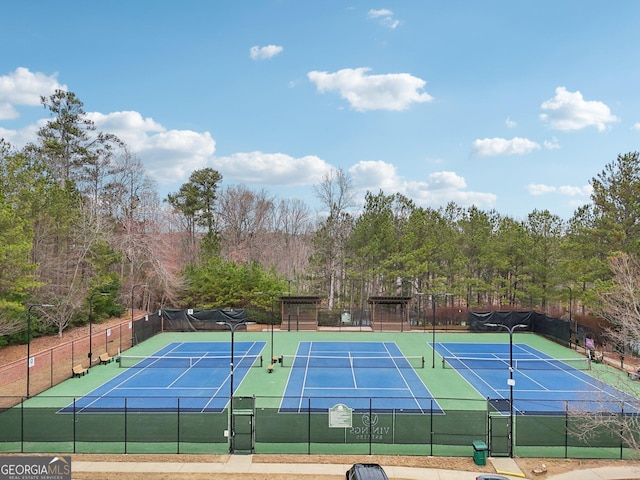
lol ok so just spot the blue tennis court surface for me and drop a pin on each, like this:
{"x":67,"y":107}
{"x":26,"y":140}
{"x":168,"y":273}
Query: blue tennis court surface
{"x":542,"y":384}
{"x":361,"y":375}
{"x":189,"y":376}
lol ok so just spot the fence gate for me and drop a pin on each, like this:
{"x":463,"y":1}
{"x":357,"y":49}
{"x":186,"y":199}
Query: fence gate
{"x":499,"y":439}
{"x":242,"y":425}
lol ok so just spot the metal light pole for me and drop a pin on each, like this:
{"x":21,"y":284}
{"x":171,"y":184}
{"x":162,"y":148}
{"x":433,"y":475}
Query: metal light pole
{"x":570,"y":315}
{"x":424,"y":325}
{"x":133,"y":328}
{"x":29,"y":339}
{"x":511,"y":382}
{"x":90,"y":354}
{"x":433,"y":332}
{"x":272,"y":295}
{"x":434,"y":297}
{"x":233,"y":325}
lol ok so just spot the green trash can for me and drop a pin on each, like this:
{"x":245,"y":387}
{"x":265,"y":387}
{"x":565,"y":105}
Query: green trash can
{"x":480,"y":452}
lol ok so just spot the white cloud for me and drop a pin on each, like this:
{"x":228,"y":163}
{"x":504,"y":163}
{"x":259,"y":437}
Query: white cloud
{"x":375,"y":175}
{"x":444,"y":187}
{"x":551,"y":144}
{"x":393,"y":91}
{"x":510,"y":123}
{"x":446,"y":181}
{"x":175,"y":154}
{"x":385,"y":17}
{"x":7,"y":111}
{"x":636,"y":126}
{"x":489,"y":147}
{"x":272,"y":168}
{"x":383,"y":12}
{"x":538,"y":189}
{"x":22,"y":87}
{"x":129,"y":126}
{"x":264,"y":53}
{"x":439,"y":189}
{"x":569,"y":111}
{"x":169,"y":155}
{"x":19,"y":138}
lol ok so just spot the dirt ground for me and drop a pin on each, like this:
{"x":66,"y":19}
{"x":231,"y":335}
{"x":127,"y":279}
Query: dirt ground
{"x":12,"y":353}
{"x":527,"y":465}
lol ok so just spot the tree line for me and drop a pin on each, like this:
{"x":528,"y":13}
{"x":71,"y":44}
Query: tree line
{"x":81,"y":217}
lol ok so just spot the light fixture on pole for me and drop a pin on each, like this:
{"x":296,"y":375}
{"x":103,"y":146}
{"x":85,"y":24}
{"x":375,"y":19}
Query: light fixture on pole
{"x":233,"y":325}
{"x":90,"y":354}
{"x":511,"y":382}
{"x":29,"y":339}
{"x":133,"y":328}
{"x":434,"y":297}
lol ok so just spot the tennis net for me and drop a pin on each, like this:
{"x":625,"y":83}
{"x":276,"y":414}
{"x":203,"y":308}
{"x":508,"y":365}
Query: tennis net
{"x":223,"y":361}
{"x":329,"y":361}
{"x":479,"y":363}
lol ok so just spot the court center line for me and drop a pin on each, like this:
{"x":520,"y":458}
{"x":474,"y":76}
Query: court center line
{"x":109,"y":394}
{"x":116,"y":387}
{"x":399,"y":370}
{"x":473,"y":372}
{"x":228,"y":377}
{"x":353,"y":372}
{"x":535,"y":357}
{"x":587,"y":380}
{"x":304,"y":377}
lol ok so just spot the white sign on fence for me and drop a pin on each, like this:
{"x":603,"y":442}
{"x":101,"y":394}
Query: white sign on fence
{"x":340,"y":416}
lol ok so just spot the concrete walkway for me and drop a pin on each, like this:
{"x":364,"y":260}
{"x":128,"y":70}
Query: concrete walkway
{"x":244,"y":464}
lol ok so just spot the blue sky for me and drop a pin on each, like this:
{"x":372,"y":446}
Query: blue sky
{"x":507,"y":105}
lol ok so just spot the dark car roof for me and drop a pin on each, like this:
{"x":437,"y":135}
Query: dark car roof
{"x":369,"y":471}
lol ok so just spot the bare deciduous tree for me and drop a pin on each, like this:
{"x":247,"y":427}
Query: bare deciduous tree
{"x":618,"y":303}
{"x":245,"y":218}
{"x":335,"y":192}
{"x":10,"y":323}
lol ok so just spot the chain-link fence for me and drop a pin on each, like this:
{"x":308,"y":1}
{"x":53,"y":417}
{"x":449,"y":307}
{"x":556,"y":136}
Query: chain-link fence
{"x":44,"y":424}
{"x":29,"y":377}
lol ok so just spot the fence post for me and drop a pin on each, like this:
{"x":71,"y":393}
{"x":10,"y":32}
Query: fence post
{"x":22,"y":425}
{"x":431,"y":429}
{"x":566,"y":429}
{"x":621,"y":430}
{"x":74,"y":425}
{"x":309,"y":426}
{"x":178,"y":429}
{"x":370,"y":425}
{"x":125,"y":424}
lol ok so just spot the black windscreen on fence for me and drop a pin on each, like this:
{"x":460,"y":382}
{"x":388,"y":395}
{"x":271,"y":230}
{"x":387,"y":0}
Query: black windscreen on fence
{"x":551,"y":327}
{"x":478,"y":320}
{"x":200,"y":320}
{"x":554,"y":328}
{"x":146,"y":327}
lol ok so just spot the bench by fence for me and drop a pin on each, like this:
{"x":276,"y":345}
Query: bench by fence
{"x":105,"y":358}
{"x":79,"y":370}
